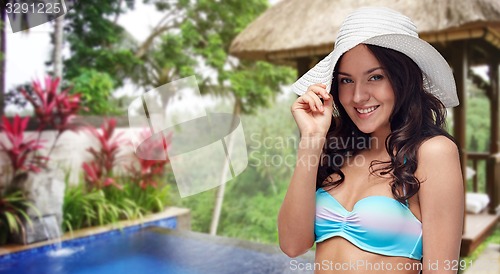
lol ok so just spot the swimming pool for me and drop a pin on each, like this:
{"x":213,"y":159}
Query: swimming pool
{"x":152,"y":250}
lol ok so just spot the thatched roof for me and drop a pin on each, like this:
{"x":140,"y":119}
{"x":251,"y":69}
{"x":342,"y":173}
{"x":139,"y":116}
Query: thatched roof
{"x":296,"y":28}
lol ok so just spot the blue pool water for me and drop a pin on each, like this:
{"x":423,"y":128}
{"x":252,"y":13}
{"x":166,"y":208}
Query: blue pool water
{"x":156,"y":251}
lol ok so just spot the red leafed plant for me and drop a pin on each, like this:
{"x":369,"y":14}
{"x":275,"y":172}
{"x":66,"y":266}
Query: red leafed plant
{"x":20,"y":150}
{"x":98,"y":173}
{"x":149,"y":170}
{"x":94,"y":176}
{"x":53,"y":109}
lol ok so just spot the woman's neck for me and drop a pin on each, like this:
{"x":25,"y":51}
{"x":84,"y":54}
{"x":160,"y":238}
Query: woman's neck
{"x":377,"y":141}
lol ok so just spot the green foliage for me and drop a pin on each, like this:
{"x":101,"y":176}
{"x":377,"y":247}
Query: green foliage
{"x":255,"y":84}
{"x":196,"y":42}
{"x":148,"y":199}
{"x":97,"y":42}
{"x":199,"y":45}
{"x":85,"y":208}
{"x":477,"y":130}
{"x":478,"y":134}
{"x":478,"y":123}
{"x":95,"y":88}
{"x":251,"y":217}
{"x":225,"y":18}
{"x":13,"y":208}
{"x":210,"y":30}
{"x":128,"y":208}
{"x":201,"y":206}
{"x":167,"y":60}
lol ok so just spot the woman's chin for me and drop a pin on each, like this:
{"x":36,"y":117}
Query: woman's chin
{"x":365,"y":129}
{"x":373,"y":127}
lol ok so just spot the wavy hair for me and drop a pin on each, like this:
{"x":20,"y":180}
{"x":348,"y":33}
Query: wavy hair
{"x":416,"y":117}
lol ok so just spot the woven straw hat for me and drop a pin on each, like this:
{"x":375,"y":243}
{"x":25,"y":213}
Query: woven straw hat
{"x":389,"y":29}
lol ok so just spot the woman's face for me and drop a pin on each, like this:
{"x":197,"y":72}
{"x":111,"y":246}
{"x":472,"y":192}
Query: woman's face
{"x":365,"y":91}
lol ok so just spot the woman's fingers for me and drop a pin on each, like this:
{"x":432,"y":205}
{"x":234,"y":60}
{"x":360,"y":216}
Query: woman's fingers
{"x":320,"y":90}
{"x":315,"y":93}
{"x":314,"y":101}
{"x":310,"y":113}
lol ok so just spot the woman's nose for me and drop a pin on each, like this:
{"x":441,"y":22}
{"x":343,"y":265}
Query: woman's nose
{"x":361,"y":94}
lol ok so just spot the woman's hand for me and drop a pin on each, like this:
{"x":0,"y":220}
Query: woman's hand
{"x":313,"y":117}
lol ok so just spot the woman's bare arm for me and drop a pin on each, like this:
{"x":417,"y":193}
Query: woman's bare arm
{"x":441,"y":198}
{"x":297,"y":213}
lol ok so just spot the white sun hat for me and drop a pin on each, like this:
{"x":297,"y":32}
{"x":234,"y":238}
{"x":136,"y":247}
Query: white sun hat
{"x":389,"y":29}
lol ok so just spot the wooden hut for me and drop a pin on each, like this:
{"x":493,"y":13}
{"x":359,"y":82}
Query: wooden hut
{"x":466,"y":32}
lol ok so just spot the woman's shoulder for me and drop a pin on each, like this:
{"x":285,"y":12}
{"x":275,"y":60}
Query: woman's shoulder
{"x":440,"y":174}
{"x":437,"y":154}
{"x":437,"y":146}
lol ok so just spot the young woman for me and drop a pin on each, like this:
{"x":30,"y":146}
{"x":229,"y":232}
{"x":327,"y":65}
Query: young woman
{"x":378,"y":188}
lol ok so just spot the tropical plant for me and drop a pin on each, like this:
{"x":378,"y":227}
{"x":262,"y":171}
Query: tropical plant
{"x":150,"y":171}
{"x":53,"y":109}
{"x":147,"y":182}
{"x":148,"y":198}
{"x":95,"y":177}
{"x":83,"y":209}
{"x":128,"y":207}
{"x":13,"y":208}
{"x":105,"y":197}
{"x":99,"y":171}
{"x":96,"y":40}
{"x":95,"y":89}
{"x":21,"y":151}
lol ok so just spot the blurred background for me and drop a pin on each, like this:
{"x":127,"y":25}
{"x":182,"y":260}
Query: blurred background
{"x":76,"y":75}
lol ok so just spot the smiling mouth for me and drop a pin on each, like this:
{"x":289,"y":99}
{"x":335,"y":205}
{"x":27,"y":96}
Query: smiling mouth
{"x":366,"y":110}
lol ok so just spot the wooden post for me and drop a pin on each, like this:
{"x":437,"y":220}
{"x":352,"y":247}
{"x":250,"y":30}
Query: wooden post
{"x":495,"y":105}
{"x":303,"y":65}
{"x":460,"y":68}
{"x":459,"y":65}
{"x":493,"y":176}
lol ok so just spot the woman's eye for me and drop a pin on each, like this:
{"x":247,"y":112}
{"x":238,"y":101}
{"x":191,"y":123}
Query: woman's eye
{"x":376,"y":77}
{"x":345,"y":80}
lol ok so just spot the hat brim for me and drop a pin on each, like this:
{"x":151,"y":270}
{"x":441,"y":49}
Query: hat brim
{"x":438,"y":76}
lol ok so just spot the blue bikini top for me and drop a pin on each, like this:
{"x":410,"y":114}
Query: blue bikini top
{"x":377,"y":224}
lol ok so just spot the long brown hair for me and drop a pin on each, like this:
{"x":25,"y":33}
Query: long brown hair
{"x":416,"y":117}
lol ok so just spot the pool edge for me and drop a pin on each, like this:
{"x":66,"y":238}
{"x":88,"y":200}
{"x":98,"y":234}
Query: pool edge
{"x":182,"y":215}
